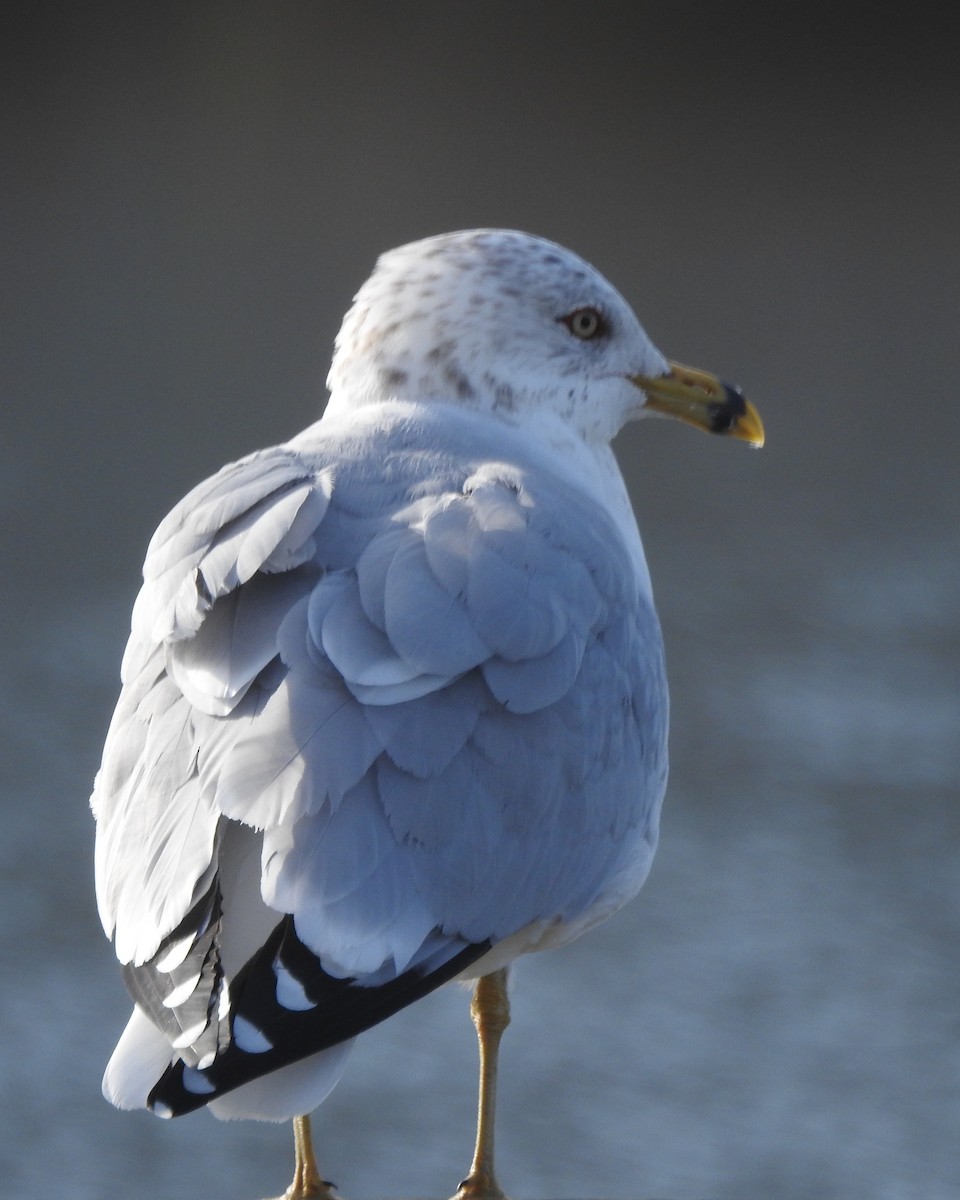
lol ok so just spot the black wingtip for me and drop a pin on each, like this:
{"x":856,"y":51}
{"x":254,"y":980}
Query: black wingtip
{"x":341,"y":1008}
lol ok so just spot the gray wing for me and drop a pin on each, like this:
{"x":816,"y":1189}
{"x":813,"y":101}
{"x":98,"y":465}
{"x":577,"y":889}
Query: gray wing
{"x":429,"y":678}
{"x":221,"y":571}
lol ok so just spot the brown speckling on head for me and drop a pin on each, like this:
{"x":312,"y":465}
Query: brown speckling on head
{"x":503,"y":398}
{"x":459,"y":382}
{"x":478,"y":319}
{"x":393,"y":377}
{"x":441,"y":350}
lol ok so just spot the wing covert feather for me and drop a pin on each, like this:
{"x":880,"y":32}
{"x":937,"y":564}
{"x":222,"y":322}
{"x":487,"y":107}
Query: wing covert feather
{"x":431,"y":679}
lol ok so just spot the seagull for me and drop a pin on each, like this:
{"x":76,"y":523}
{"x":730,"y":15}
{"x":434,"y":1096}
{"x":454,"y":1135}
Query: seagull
{"x":393,"y":706}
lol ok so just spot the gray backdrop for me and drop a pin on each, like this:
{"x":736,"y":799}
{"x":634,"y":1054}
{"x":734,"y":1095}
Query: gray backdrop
{"x":190,"y":195}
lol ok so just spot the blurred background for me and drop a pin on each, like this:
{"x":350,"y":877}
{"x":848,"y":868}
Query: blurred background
{"x":191,"y":193}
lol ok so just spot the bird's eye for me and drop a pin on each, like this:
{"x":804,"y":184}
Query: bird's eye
{"x":585,"y":323}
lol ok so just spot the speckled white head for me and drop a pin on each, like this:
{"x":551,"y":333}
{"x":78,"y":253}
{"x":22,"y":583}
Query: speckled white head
{"x":498,"y":321}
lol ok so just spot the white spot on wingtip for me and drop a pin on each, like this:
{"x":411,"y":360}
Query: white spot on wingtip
{"x":291,"y":993}
{"x":159,"y":1109}
{"x":194,"y":1082}
{"x":248,"y":1038}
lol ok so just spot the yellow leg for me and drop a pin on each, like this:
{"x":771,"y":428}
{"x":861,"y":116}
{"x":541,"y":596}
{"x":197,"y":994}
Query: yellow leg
{"x":490,"y":1010}
{"x":307,"y":1184}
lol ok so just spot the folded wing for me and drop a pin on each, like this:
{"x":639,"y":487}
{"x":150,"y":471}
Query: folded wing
{"x":430,"y":680}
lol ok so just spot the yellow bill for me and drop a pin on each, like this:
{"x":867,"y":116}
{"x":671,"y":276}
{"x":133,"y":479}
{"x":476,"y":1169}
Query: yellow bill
{"x":703,"y":400}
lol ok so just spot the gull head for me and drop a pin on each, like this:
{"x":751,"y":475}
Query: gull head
{"x":516,"y":326}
